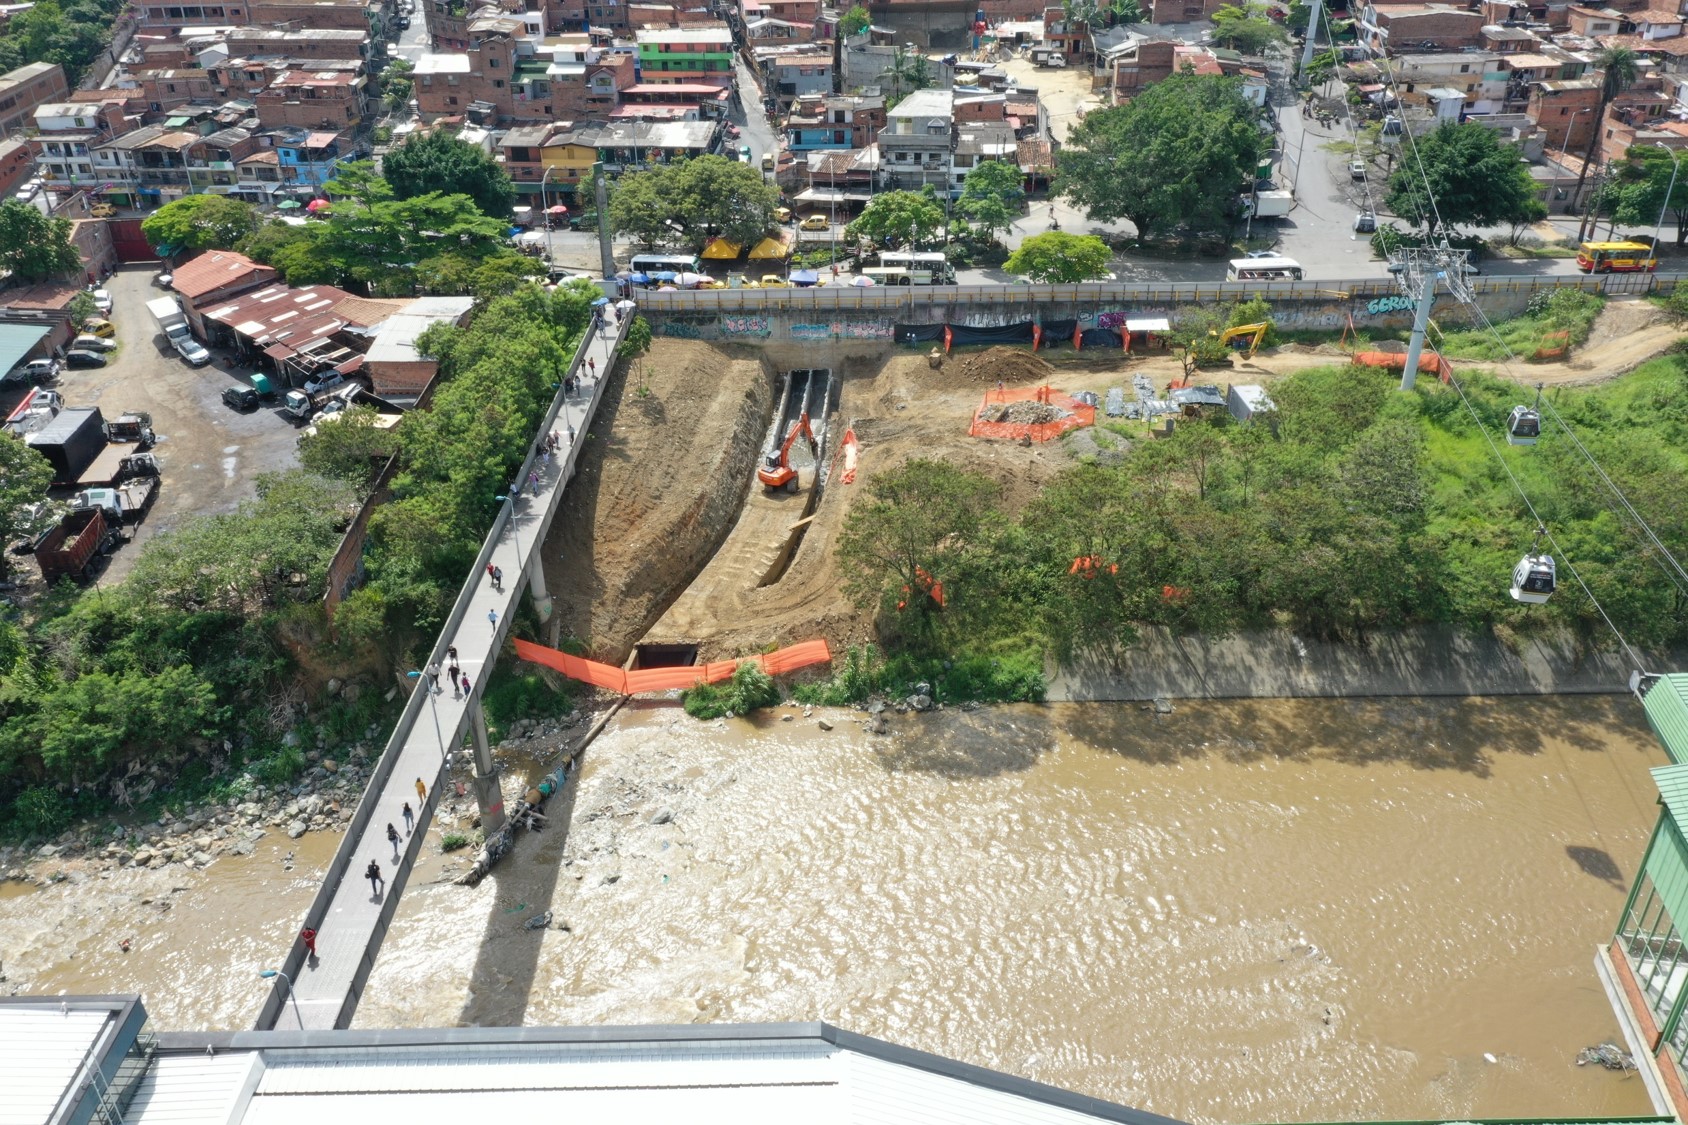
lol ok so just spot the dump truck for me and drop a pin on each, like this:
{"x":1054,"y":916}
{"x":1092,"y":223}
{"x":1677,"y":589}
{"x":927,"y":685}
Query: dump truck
{"x":123,"y":503}
{"x":172,"y":321}
{"x":70,"y":442}
{"x":69,"y":550}
{"x":35,"y":410}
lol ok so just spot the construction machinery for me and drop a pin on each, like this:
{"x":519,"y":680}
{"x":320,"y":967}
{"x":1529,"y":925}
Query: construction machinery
{"x":1251,"y":335}
{"x":804,"y":406}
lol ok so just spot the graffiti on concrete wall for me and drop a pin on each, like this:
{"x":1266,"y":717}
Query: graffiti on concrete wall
{"x":844,"y":330}
{"x":1377,"y":306}
{"x":745,"y":326}
{"x":680,"y":329}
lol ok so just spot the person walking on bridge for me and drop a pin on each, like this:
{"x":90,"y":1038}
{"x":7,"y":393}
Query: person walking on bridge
{"x":376,"y":880}
{"x":393,"y":839}
{"x":434,"y":675}
{"x":409,"y":815}
{"x":421,"y":792}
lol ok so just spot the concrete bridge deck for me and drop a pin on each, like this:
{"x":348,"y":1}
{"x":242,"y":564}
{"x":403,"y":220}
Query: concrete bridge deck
{"x":350,"y":918}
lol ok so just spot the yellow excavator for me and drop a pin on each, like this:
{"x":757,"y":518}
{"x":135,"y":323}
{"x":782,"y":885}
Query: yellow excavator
{"x":1254,"y":334}
{"x":777,"y":471}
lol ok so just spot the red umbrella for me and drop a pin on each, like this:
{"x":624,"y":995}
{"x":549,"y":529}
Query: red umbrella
{"x":559,"y":209}
{"x":316,"y":205}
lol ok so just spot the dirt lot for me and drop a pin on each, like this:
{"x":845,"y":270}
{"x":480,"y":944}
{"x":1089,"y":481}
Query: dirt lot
{"x":208,"y":453}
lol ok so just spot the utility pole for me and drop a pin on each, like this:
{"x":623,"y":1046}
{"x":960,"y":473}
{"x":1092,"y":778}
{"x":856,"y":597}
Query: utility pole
{"x":1312,"y":35}
{"x":1417,"y":269}
{"x":601,"y":199}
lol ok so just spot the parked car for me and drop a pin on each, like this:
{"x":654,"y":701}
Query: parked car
{"x":1356,"y":169}
{"x":88,"y":342}
{"x":767,"y":162}
{"x":29,"y":191}
{"x":104,"y":329}
{"x":744,"y":153}
{"x":40,"y":370}
{"x":783,"y":214}
{"x":102,"y":300}
{"x":240,"y":398}
{"x":816,"y":222}
{"x":76,"y":357}
{"x":191,"y":350}
{"x":1365,"y":222}
{"x":324,"y":381}
{"x":163,"y":280}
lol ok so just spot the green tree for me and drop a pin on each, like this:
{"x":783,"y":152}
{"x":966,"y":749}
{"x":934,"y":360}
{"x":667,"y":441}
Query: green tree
{"x":854,"y":21}
{"x":351,"y":448}
{"x":1246,"y":28}
{"x":293,"y":250}
{"x":1178,"y":152}
{"x":907,"y":72}
{"x":639,"y":208}
{"x":711,"y":195}
{"x":1644,"y":181}
{"x":1056,"y":257}
{"x":898,"y":218}
{"x":396,"y":84}
{"x":1464,"y":173}
{"x":24,"y":477}
{"x":81,"y":309}
{"x":912,"y":523}
{"x":34,"y":247}
{"x":440,"y":163}
{"x":357,"y":180}
{"x":201,"y":222}
{"x":1618,"y":68}
{"x":992,"y":195}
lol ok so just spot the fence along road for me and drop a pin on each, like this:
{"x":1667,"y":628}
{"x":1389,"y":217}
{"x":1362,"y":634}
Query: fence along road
{"x":349,"y":919}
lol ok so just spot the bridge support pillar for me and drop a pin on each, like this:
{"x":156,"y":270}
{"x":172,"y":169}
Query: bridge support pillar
{"x":489,"y":796}
{"x":536,"y":586}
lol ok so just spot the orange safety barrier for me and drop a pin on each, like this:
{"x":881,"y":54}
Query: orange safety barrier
{"x":1074,"y":414}
{"x":1395,"y":361}
{"x":611,"y":678}
{"x":851,"y":448}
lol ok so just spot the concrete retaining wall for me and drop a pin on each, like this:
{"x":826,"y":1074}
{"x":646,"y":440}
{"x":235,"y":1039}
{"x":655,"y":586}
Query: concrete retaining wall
{"x":1420,"y":661}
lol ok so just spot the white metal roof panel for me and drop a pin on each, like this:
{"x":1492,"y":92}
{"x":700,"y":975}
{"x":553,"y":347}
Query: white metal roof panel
{"x":888,"y":1093}
{"x":194,"y":1089}
{"x":40,"y":1053}
{"x":719,"y":1106}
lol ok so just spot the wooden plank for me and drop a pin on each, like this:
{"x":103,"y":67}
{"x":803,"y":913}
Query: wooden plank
{"x":800,"y":523}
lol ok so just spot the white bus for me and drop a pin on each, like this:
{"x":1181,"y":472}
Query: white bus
{"x":1263,"y":269}
{"x":653,"y":264}
{"x":882,"y":275}
{"x":934,"y":265}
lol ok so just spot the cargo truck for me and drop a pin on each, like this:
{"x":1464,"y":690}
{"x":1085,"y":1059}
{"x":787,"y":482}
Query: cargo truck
{"x":1272,"y":204}
{"x":116,"y":464}
{"x":70,"y":442}
{"x":69,"y":550}
{"x":123,"y":503}
{"x":172,"y":321}
{"x":133,"y":426}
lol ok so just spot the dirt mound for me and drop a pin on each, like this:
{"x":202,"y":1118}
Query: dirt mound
{"x":1622,"y":318}
{"x":1022,"y":413}
{"x":656,"y":490}
{"x":1003,"y":365}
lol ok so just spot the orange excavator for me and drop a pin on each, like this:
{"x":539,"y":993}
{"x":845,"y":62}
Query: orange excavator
{"x":777,"y":471}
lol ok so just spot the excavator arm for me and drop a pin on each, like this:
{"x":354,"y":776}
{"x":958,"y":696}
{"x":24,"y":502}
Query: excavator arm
{"x":778,"y":473}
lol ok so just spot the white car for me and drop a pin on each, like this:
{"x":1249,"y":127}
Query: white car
{"x":88,"y":342}
{"x":324,"y":381}
{"x":29,"y":191}
{"x":44,"y":370}
{"x":163,"y":280}
{"x":191,"y":350}
{"x":102,"y":301}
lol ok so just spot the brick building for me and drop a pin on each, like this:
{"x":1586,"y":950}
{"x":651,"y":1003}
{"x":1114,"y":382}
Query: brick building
{"x":329,"y":100}
{"x":686,"y":54}
{"x":1416,"y":26}
{"x":838,"y":121}
{"x":27,"y":87}
{"x":315,"y":15}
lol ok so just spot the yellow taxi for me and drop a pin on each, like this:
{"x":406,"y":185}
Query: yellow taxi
{"x":104,"y":329}
{"x":103,"y":210}
{"x":773,"y":281}
{"x":816,"y":222}
{"x":783,"y":214}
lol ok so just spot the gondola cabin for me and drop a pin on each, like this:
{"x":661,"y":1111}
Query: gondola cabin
{"x":1534,"y":579}
{"x":1523,"y":426}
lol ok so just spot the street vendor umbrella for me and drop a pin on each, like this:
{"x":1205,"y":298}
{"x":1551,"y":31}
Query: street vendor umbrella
{"x":639,"y":278}
{"x":558,"y":209}
{"x":600,"y":302}
{"x":317,"y":205}
{"x":804,"y":277}
{"x":625,"y":305}
{"x":289,"y":205}
{"x":862,"y":282}
{"x":665,"y":275}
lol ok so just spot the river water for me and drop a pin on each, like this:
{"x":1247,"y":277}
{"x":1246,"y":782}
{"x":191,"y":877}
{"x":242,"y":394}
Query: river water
{"x":1241,"y":911}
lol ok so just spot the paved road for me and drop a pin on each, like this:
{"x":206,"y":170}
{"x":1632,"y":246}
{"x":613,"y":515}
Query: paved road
{"x":413,"y":43}
{"x":356,"y":918}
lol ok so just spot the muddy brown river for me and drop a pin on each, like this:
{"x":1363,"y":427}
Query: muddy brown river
{"x":1247,"y":911}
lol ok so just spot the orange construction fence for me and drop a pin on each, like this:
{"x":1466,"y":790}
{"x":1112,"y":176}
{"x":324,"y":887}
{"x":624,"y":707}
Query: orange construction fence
{"x":611,"y":678}
{"x":1074,"y":414}
{"x":1395,"y":361}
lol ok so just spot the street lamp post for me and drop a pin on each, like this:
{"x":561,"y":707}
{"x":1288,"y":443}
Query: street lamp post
{"x":1565,"y":146}
{"x":439,"y":735}
{"x":267,"y":974}
{"x":1675,"y":167}
{"x":545,"y":204}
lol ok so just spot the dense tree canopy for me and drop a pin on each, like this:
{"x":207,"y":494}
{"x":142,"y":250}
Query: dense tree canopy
{"x":34,"y":247}
{"x":71,"y":34}
{"x":1246,"y":28}
{"x":899,"y":218}
{"x":1463,"y":174}
{"x":691,"y":201}
{"x":440,"y":163}
{"x":24,"y":477}
{"x":1643,"y":182}
{"x":992,"y":195}
{"x":1179,"y":152}
{"x":1056,"y":256}
{"x":200,"y":222}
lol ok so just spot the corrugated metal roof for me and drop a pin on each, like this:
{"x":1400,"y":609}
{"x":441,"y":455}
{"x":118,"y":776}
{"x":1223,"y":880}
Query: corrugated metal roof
{"x":1667,"y":712}
{"x":194,"y":1089}
{"x":1673,"y":791}
{"x":16,"y":340}
{"x":40,"y":1053}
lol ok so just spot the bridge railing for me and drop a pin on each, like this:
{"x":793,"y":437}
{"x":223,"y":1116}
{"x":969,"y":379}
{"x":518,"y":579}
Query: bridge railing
{"x":382,"y":772}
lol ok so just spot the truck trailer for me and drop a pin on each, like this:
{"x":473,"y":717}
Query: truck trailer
{"x":69,"y":550}
{"x":172,"y":321}
{"x":70,"y":442}
{"x":121,"y":503}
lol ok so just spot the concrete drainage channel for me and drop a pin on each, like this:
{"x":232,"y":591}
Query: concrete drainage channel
{"x":806,"y":403}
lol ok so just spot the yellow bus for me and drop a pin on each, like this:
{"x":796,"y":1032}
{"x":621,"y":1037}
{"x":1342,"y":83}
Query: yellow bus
{"x":1605,"y":257}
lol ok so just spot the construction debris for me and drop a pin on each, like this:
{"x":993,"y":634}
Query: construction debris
{"x":1004,"y":365}
{"x":1608,"y":1055}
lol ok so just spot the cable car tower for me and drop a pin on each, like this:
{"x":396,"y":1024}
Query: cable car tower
{"x":1418,"y":270}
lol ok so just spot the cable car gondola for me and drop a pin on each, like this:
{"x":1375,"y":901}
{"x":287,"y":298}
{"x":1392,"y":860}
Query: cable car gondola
{"x":1535,"y":577}
{"x":1523,"y":426}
